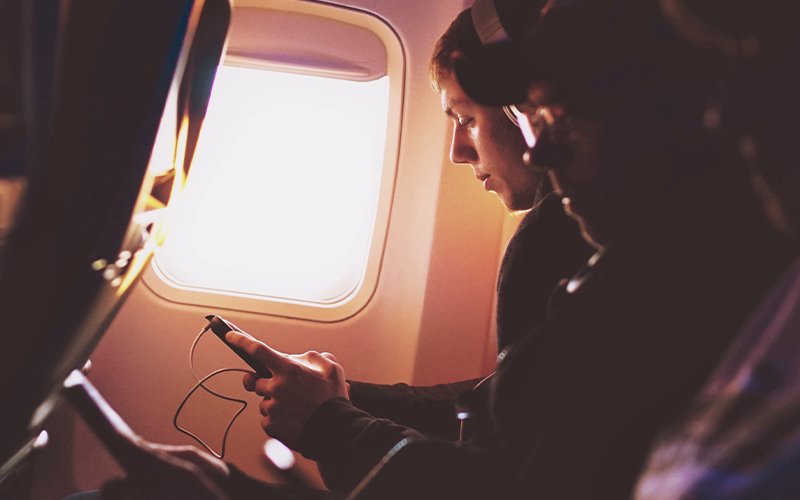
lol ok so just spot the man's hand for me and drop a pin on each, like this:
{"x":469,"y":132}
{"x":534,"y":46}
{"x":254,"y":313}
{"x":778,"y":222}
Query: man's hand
{"x":300,"y":383}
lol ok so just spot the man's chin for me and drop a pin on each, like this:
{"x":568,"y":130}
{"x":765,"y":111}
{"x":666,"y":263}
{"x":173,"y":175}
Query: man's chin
{"x":514,"y":204}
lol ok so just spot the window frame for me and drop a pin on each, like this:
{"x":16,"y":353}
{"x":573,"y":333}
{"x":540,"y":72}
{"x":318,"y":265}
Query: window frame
{"x":158,"y":281}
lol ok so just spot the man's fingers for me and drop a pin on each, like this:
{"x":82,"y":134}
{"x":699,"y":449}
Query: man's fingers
{"x":238,"y":330}
{"x":263,"y":387}
{"x":249,"y":381}
{"x":264,"y":406}
{"x":271,"y":358}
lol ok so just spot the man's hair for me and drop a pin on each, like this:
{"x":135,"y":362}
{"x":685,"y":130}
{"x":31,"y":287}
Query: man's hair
{"x":459,"y":36}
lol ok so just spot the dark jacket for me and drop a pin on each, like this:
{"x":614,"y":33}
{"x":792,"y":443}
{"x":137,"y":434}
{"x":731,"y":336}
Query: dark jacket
{"x":741,"y":439}
{"x":546,"y":248}
{"x":578,"y":401}
{"x":350,"y":439}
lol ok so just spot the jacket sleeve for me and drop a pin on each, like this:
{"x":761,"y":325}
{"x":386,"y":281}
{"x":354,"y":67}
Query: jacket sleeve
{"x":348,"y":438}
{"x":348,"y":442}
{"x":429,"y":410}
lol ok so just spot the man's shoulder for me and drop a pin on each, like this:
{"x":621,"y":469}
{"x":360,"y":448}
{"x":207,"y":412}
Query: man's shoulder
{"x":546,"y":225}
{"x":548,"y":212}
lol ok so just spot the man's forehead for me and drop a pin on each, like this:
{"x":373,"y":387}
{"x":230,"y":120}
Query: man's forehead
{"x":453,"y":98}
{"x":454,"y":108}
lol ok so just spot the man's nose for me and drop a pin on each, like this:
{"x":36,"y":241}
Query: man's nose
{"x":461,"y":148}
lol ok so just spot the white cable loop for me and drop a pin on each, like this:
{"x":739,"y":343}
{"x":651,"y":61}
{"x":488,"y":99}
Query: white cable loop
{"x":200,"y":383}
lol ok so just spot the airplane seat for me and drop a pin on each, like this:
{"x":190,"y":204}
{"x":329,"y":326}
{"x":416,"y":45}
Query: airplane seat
{"x":75,"y":191}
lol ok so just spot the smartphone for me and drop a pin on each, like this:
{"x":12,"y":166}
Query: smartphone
{"x":220,"y":327}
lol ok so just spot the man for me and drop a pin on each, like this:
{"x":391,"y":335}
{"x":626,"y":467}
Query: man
{"x":348,"y":440}
{"x":546,"y":247}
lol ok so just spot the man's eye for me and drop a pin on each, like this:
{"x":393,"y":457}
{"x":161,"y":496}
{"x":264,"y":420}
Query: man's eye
{"x":464,"y":122}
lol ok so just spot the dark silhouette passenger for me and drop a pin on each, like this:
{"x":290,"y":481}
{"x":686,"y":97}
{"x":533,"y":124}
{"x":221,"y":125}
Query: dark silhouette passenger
{"x":741,"y":437}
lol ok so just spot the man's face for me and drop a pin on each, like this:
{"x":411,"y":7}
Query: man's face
{"x":486,"y":139}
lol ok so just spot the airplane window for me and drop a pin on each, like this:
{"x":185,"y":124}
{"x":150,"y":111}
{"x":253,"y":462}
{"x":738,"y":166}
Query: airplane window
{"x":286,"y":205}
{"x":281,"y":197}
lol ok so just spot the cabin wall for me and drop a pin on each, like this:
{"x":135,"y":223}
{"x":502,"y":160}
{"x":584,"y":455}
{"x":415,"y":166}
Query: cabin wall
{"x":430,"y":320}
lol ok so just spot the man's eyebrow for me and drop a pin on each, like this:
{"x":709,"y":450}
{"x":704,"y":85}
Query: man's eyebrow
{"x":449,"y":109}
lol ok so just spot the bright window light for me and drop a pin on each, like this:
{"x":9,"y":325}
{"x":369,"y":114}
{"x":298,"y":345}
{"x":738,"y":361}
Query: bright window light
{"x":281,"y":198}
